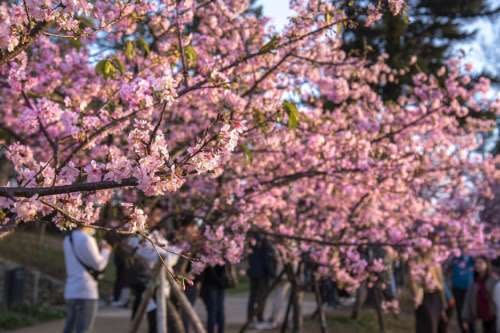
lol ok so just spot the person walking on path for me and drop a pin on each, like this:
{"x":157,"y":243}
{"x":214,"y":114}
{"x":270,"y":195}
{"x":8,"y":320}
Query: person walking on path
{"x":479,"y":301}
{"x":461,"y":272}
{"x":144,"y":258}
{"x":261,"y":271}
{"x":84,"y":262}
{"x":121,"y":290}
{"x":427,"y":286}
{"x":214,"y":281}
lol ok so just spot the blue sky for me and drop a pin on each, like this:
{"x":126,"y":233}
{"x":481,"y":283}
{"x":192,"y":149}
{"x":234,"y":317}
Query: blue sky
{"x":278,"y":10}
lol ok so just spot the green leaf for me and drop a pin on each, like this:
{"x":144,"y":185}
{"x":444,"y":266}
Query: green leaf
{"x":248,"y":153}
{"x":105,"y":68}
{"x":85,"y":22}
{"x":191,"y":56}
{"x":118,"y":64}
{"x":405,"y":17}
{"x":75,"y":42}
{"x":143,"y":45}
{"x":260,"y":119}
{"x":269,"y":46}
{"x":129,"y":50}
{"x":109,"y":69}
{"x":293,"y":114}
{"x":328,"y":17}
{"x":99,"y":68}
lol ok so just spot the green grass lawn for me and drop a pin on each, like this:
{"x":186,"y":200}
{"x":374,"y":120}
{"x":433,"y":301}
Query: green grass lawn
{"x":28,"y":315}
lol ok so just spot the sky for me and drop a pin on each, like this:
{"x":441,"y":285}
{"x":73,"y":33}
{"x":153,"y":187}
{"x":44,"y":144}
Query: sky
{"x":277,"y":10}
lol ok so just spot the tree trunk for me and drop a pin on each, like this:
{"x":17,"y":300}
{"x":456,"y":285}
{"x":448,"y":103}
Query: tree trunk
{"x":174,"y":318}
{"x":319,"y":301}
{"x":284,"y":326}
{"x":360,"y":300}
{"x":378,"y":308}
{"x":185,"y":305}
{"x":161,"y":303}
{"x":297,"y":302}
{"x":297,"y":298}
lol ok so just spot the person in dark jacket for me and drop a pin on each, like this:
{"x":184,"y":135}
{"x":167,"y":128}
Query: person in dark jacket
{"x":213,"y":285}
{"x":479,"y":301}
{"x":261,"y":271}
{"x":121,"y":290}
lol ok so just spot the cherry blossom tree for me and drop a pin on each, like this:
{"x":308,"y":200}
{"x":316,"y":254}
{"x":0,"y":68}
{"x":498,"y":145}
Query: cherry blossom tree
{"x":280,"y":133}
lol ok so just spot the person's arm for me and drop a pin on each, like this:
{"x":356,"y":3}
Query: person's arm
{"x":88,"y":252}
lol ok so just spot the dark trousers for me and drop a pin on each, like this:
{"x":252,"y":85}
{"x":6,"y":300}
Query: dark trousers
{"x":428,"y":314}
{"x":213,"y":297}
{"x":80,"y":315}
{"x":138,"y":290}
{"x":489,"y":326}
{"x":256,"y":299}
{"x":459,"y":295}
{"x":121,"y":280}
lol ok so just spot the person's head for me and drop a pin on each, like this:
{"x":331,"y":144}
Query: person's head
{"x":155,"y":216}
{"x":481,"y":266}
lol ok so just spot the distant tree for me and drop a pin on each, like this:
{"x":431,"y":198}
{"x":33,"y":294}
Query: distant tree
{"x":428,"y":30}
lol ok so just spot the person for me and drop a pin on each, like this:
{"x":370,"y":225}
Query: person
{"x":84,"y":260}
{"x":449,"y":307}
{"x":213,"y":285}
{"x":279,"y":296}
{"x":144,"y":258}
{"x":261,"y":271}
{"x":461,"y":272}
{"x":479,"y":301}
{"x":427,"y":287}
{"x":121,"y":290}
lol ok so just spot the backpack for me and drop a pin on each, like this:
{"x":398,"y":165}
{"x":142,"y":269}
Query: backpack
{"x":140,"y":272}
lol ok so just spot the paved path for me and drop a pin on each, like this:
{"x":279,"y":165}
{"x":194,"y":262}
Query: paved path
{"x":118,"y":320}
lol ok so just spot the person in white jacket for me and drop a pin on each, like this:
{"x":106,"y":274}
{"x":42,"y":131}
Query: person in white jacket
{"x":83,"y":260}
{"x":146,"y":256}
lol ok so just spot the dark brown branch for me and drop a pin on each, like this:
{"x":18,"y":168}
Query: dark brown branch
{"x":265,"y":75}
{"x":404,"y":127}
{"x":326,"y":242}
{"x":28,"y":192}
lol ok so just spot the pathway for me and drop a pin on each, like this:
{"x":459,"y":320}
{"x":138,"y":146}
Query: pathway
{"x":118,"y":320}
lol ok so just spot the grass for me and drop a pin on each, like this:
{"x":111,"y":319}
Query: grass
{"x":25,"y":248}
{"x":242,"y":287}
{"x":28,"y":315}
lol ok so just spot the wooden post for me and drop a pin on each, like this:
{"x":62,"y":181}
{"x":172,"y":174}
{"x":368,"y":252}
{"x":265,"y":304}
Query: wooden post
{"x":284,"y":326}
{"x":185,"y":305}
{"x":361,"y":295}
{"x":146,"y":295}
{"x":319,"y":301}
{"x":175,"y":318}
{"x":161,"y":305}
{"x":378,"y":308}
{"x":297,"y":297}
